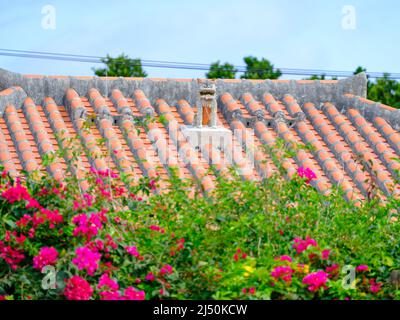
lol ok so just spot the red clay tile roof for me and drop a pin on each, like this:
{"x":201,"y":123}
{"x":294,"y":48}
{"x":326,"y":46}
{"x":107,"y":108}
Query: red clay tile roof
{"x":355,"y":140}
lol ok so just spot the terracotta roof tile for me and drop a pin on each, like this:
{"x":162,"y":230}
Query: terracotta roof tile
{"x":6,"y":157}
{"x":28,"y":157}
{"x":42,"y":139}
{"x":362,"y":150}
{"x":141,"y":123}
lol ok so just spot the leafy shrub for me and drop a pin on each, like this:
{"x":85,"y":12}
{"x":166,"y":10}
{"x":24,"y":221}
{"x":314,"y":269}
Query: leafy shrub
{"x":274,"y":239}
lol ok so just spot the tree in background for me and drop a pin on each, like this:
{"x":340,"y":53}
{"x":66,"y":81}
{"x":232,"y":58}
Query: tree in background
{"x":221,"y":71}
{"x":359,"y":70}
{"x":386,"y":91}
{"x":362,"y":69}
{"x":121,"y":66}
{"x":260,"y":69}
{"x":316,"y":77}
{"x":321,"y":77}
{"x":383,"y":90}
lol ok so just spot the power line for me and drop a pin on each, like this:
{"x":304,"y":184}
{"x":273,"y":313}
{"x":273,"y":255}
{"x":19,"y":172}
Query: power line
{"x":178,"y":65}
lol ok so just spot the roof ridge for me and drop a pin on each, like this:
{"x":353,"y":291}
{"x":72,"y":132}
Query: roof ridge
{"x":370,"y":109}
{"x":14,"y":95}
{"x":39,"y":86}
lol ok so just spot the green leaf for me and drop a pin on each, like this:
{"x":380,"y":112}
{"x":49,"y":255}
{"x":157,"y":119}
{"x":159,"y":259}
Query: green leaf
{"x":388,"y":261}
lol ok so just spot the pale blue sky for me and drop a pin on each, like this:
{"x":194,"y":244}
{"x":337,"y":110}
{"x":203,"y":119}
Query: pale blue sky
{"x":305,"y":34}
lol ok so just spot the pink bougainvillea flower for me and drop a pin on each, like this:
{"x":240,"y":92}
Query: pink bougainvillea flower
{"x":87,"y":259}
{"x":150,"y":277}
{"x":316,"y":280}
{"x":11,"y":256}
{"x":325,"y":254}
{"x":31,"y":233}
{"x":109,"y":295}
{"x":52,"y":216}
{"x":282,"y":272}
{"x":88,"y":199}
{"x":131,"y":293}
{"x":312,"y":256}
{"x":157,"y":228}
{"x":16,"y":193}
{"x":133,"y":251}
{"x":78,"y":288}
{"x":375,"y":287}
{"x":38,"y":219}
{"x":106,"y":281}
{"x":152,"y":185}
{"x":110,"y":242}
{"x":117,"y":219}
{"x":167,"y":269}
{"x":332,"y":269}
{"x":284,"y":258}
{"x":88,"y":226}
{"x":105,"y":173}
{"x":180,"y":243}
{"x":20,"y":239}
{"x":306,"y":173}
{"x":47,"y":257}
{"x":239,"y":254}
{"x":32,"y":203}
{"x":105,"y":192}
{"x":76,"y":205}
{"x":23,"y":222}
{"x":362,"y":267}
{"x":301,"y":245}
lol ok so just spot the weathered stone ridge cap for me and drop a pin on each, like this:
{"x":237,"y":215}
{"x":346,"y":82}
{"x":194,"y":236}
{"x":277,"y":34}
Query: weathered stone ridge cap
{"x":173,"y":90}
{"x":315,"y":91}
{"x":11,"y":96}
{"x":370,"y":109}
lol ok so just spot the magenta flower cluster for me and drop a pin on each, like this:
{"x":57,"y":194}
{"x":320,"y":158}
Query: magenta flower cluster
{"x":316,"y":280}
{"x":46,"y":257}
{"x":301,"y":245}
{"x":283,"y":272}
{"x":87,"y":259}
{"x":78,"y":288}
{"x":88,"y":226}
{"x":133,"y":251}
{"x":306,"y":173}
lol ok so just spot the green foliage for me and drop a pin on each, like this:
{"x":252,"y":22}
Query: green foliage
{"x":360,"y":69}
{"x":386,"y":91}
{"x":317,"y":77}
{"x":383,"y":90}
{"x":121,"y":66}
{"x":224,"y":245}
{"x":260,"y":69}
{"x":221,"y":71}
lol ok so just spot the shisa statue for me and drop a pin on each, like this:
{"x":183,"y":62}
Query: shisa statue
{"x":206,"y":104}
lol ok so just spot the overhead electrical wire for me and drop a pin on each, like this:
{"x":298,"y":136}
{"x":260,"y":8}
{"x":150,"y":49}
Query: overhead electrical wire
{"x":179,"y":65}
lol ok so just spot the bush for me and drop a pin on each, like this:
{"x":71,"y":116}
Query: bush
{"x":274,"y":239}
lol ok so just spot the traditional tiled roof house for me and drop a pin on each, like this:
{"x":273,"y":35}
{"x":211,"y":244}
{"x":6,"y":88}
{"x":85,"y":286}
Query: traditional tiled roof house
{"x":194,"y":123}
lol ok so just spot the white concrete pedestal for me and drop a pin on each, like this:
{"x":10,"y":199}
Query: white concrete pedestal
{"x":219,"y":137}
